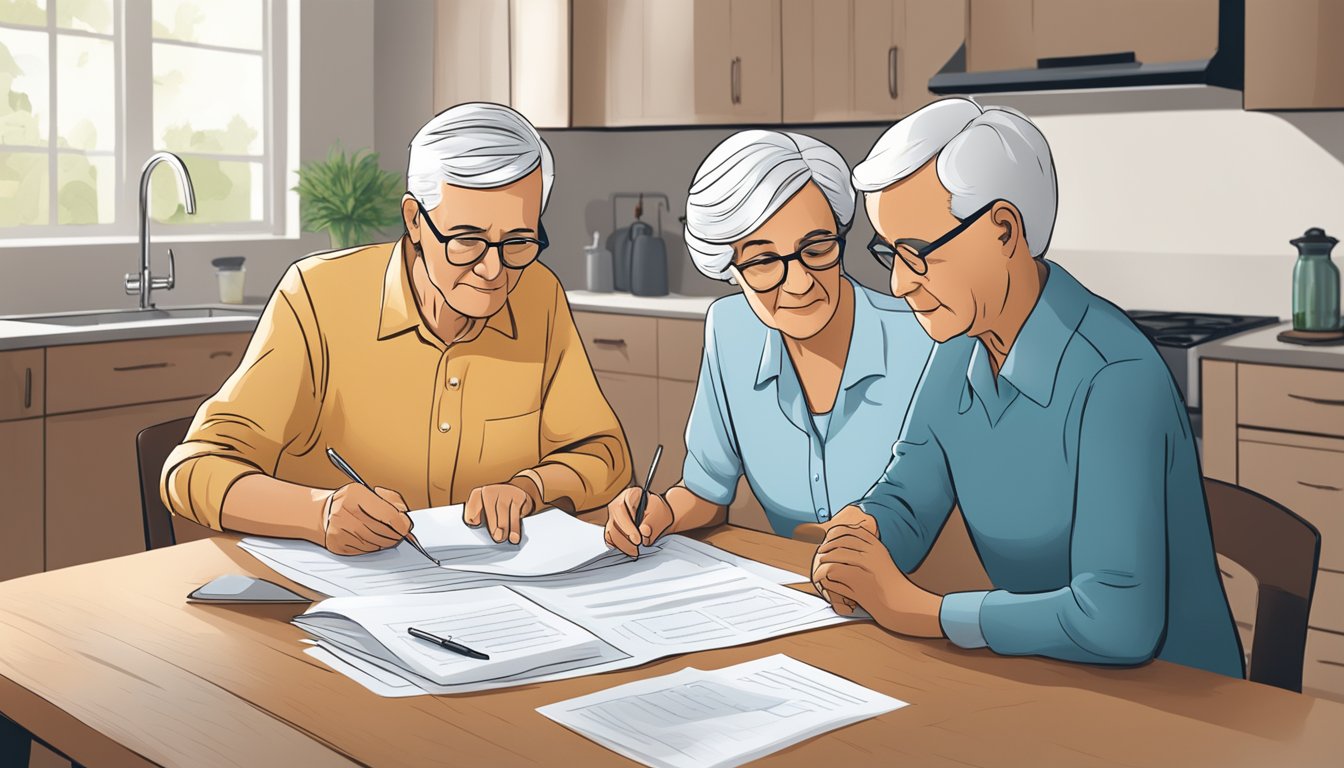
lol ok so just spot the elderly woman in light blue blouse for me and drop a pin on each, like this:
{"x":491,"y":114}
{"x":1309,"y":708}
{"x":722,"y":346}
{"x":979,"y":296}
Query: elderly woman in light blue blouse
{"x":806,"y":374}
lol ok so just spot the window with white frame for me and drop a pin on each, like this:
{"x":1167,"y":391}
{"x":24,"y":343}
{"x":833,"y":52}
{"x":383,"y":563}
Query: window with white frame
{"x":90,"y":88}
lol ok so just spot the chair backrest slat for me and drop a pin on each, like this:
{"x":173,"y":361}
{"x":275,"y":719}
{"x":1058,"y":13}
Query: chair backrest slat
{"x":152,"y":447}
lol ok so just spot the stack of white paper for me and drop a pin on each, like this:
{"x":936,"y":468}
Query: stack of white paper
{"x":518,"y":636}
{"x":725,"y":717}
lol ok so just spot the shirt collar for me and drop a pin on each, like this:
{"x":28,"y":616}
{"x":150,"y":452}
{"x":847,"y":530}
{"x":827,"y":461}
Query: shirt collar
{"x":1033,"y":362}
{"x":399,"y":312}
{"x":867,"y":355}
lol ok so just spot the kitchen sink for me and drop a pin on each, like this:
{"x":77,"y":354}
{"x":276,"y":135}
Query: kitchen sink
{"x":113,"y":317}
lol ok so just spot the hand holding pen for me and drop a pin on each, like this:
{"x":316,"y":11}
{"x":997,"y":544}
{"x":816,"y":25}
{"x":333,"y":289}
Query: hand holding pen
{"x":638,"y":517}
{"x":359,"y":518}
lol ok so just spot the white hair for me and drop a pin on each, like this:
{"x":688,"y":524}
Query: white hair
{"x":476,"y":145}
{"x":746,"y":179}
{"x":984,"y":154}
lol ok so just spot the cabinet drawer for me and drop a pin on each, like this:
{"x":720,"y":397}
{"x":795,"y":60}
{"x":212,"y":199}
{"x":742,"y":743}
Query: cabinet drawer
{"x":1307,"y":480}
{"x":1327,"y":604}
{"x":619,"y":343}
{"x":680,"y":343}
{"x":86,"y":376}
{"x":22,"y":386}
{"x":1323,"y":667}
{"x":1297,"y":399}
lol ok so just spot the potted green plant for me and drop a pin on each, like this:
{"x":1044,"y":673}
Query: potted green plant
{"x":349,"y":197}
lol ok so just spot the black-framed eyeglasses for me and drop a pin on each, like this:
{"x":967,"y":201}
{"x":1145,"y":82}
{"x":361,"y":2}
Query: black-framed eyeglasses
{"x":464,"y":250}
{"x":768,"y":271}
{"x":915,"y":252}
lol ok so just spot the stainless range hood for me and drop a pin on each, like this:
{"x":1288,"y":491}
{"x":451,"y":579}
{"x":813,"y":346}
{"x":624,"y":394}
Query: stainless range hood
{"x":1109,"y":70}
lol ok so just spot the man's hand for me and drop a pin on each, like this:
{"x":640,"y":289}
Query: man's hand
{"x":356,"y":520}
{"x":853,"y":567}
{"x":501,"y":508}
{"x":849,"y":517}
{"x":621,"y":532}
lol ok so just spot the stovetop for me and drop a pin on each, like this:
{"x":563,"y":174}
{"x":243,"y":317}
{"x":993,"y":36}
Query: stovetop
{"x":1187,"y":329}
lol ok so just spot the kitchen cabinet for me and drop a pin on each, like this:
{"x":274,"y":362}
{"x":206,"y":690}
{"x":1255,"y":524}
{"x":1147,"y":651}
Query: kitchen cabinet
{"x":1294,"y":59}
{"x":513,"y":52}
{"x":855,"y":60}
{"x":1278,"y":430}
{"x":68,"y":420}
{"x":21,"y":477}
{"x":676,"y":62}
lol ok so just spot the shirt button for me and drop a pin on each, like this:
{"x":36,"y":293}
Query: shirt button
{"x":445,"y":426}
{"x":816,"y":478}
{"x":453,"y":382}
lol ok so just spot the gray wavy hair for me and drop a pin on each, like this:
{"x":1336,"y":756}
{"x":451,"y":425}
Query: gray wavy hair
{"x":746,"y":179}
{"x":984,"y":153}
{"x":477,"y":145}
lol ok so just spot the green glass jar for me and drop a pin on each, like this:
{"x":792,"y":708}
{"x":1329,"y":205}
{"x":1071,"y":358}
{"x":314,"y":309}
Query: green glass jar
{"x":1315,"y":283}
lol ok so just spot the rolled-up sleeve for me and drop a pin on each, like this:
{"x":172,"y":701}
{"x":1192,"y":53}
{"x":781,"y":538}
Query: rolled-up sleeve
{"x":713,"y":462}
{"x":584,"y":455}
{"x":268,"y":401}
{"x":1113,"y":610}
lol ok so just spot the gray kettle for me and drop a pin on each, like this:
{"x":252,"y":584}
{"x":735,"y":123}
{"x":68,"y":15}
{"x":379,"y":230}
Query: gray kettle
{"x":648,"y":258}
{"x":622,"y":241}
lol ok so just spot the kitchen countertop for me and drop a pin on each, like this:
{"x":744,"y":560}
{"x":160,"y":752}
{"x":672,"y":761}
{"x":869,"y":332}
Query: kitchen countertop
{"x":674,"y":305}
{"x":1263,"y":346}
{"x":23,"y":334}
{"x":18,"y":332}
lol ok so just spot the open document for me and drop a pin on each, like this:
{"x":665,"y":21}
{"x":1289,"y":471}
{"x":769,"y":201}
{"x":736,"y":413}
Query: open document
{"x":554,"y":545}
{"x":719,"y":718}
{"x":641,"y":611}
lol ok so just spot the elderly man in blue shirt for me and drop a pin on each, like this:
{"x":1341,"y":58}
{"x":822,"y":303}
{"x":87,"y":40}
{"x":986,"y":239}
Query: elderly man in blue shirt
{"x":1043,"y":412}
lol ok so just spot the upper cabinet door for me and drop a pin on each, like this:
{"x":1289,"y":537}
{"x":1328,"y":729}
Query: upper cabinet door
{"x":817,"y":59}
{"x":935,"y":30}
{"x":471,"y":52}
{"x":737,"y":61}
{"x":879,"y":55}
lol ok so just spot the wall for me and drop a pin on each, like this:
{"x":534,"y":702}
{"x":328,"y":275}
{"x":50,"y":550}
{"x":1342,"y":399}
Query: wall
{"x":336,"y":53}
{"x":1171,"y":209}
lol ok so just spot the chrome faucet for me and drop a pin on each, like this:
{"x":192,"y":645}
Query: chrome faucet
{"x":145,"y":283}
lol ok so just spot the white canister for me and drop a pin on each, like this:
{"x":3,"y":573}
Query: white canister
{"x":232,"y":276}
{"x":599,"y":267}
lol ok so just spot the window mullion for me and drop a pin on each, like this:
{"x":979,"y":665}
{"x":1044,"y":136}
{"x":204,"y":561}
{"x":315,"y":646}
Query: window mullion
{"x":52,"y":189}
{"x":136,"y":107}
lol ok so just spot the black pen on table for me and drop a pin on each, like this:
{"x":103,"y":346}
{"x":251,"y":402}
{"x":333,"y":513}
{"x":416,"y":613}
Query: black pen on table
{"x":644,"y":496}
{"x":447,"y":642}
{"x":353,"y":475}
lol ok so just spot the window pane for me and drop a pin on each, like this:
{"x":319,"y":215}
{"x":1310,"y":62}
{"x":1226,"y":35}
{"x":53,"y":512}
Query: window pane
{"x":23,"y":189}
{"x":24,"y":96}
{"x":86,"y":112}
{"x":32,"y":12}
{"x":207,"y":101}
{"x":85,"y":192}
{"x":226,"y":191}
{"x":229,"y":23}
{"x":86,"y":15}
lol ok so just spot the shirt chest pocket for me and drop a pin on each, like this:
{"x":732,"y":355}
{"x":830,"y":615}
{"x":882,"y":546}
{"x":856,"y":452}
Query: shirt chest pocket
{"x":497,"y":390}
{"x":510,"y":444}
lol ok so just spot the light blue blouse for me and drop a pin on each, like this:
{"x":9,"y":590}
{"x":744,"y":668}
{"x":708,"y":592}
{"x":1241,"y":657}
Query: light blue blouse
{"x":750,"y":415}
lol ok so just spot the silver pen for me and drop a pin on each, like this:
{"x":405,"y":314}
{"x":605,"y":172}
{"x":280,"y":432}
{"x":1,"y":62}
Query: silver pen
{"x":353,"y":475}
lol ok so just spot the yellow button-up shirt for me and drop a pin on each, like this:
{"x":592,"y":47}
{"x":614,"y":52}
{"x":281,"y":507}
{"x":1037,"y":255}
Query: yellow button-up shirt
{"x":342,"y":359}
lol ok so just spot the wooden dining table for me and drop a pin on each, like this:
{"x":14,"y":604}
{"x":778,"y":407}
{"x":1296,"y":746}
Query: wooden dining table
{"x":109,"y":664}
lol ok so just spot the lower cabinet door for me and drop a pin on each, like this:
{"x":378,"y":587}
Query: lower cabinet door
{"x":93,"y":481}
{"x":21,"y":549}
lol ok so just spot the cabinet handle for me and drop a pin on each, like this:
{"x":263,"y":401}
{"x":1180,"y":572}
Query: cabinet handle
{"x":1319,"y":487}
{"x":610,"y":342}
{"x":27,"y":388}
{"x":735,"y":80}
{"x":221,"y":353}
{"x":891,"y":72}
{"x":1316,"y":400}
{"x":142,"y":367}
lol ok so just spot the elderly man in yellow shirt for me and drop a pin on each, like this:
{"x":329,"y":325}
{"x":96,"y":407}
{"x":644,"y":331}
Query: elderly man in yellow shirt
{"x":444,"y":367}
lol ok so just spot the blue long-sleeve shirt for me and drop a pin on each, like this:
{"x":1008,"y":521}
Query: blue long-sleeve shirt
{"x":1079,"y":482}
